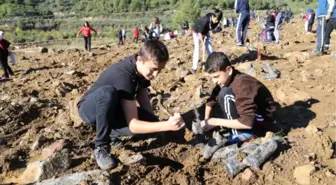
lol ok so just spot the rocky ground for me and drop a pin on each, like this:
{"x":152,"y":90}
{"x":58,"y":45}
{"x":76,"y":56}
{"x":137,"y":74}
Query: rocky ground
{"x":41,"y":136}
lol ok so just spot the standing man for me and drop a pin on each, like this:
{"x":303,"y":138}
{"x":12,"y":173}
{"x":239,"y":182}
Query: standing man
{"x":326,"y":14}
{"x":243,"y":9}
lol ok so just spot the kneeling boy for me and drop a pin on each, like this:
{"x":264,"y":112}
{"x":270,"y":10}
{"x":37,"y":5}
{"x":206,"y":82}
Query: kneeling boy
{"x":247,"y":105}
{"x":111,"y":102}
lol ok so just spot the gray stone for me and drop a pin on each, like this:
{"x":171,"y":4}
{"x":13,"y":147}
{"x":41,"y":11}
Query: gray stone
{"x":132,"y":159}
{"x":45,"y":169}
{"x":97,"y":177}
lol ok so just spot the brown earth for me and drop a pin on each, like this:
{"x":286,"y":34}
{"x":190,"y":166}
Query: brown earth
{"x":37,"y":104}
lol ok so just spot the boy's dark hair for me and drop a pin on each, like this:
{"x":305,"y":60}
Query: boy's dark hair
{"x":217,"y":61}
{"x":219,"y":14}
{"x":155,"y":50}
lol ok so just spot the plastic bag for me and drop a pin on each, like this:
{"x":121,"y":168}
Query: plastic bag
{"x":233,"y":166}
{"x":261,"y":154}
{"x":215,"y":143}
{"x":248,"y":148}
{"x":225,"y":152}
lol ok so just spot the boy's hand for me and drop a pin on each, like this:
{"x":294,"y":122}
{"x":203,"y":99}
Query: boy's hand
{"x":175,"y":122}
{"x":328,"y":16}
{"x":205,"y":125}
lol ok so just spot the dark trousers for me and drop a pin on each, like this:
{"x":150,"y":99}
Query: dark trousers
{"x":102,"y":108}
{"x":135,"y":39}
{"x":124,"y":40}
{"x":331,"y":25}
{"x":87,"y":41}
{"x":226,"y":100}
{"x":242,"y":27}
{"x":120,"y":41}
{"x":310,"y":27}
{"x":5,"y":67}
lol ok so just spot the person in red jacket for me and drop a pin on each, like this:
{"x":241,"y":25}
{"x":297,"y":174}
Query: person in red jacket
{"x":86,"y":30}
{"x":135,"y":35}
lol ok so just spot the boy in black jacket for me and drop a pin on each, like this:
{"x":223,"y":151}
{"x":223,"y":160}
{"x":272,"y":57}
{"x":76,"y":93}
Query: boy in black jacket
{"x":118,"y":103}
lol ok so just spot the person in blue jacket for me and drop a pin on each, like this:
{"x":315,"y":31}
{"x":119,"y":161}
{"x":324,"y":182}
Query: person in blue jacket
{"x":326,"y":15}
{"x":243,"y":9}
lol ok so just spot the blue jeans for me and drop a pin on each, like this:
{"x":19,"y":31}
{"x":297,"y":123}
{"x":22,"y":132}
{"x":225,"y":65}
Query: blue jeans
{"x":242,"y":27}
{"x":102,"y":108}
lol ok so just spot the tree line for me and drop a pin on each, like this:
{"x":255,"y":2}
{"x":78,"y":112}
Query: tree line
{"x":10,"y":8}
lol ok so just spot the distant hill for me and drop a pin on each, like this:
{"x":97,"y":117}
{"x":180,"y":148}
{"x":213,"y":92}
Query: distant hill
{"x":12,"y":8}
{"x":41,"y":20}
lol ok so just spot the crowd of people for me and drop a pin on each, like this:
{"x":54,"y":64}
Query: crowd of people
{"x":118,"y":104}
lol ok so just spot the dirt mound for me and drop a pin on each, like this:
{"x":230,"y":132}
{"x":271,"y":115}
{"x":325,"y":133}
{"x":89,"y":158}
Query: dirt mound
{"x":36,"y":109}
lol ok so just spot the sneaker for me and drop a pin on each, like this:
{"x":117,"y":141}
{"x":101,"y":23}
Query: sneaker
{"x":4,"y":78}
{"x":103,"y":158}
{"x":116,"y":142}
{"x":317,"y":53}
{"x":239,"y":44}
{"x":193,"y":71}
{"x":326,"y":48}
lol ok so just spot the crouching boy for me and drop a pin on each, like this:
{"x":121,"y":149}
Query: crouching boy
{"x":247,"y":105}
{"x":111,"y":103}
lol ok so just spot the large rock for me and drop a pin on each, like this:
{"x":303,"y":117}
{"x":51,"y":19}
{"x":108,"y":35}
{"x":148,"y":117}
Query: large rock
{"x":63,"y":118}
{"x":53,"y":148}
{"x":74,"y":114}
{"x":311,"y":129}
{"x":297,"y":56}
{"x":244,"y":66}
{"x":97,"y":177}
{"x":302,"y":174}
{"x":290,"y":95}
{"x":45,"y":169}
{"x":130,"y":159}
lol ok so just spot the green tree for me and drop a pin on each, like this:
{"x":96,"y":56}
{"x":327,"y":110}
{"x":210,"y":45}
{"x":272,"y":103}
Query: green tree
{"x":135,"y":5}
{"x":189,"y":11}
